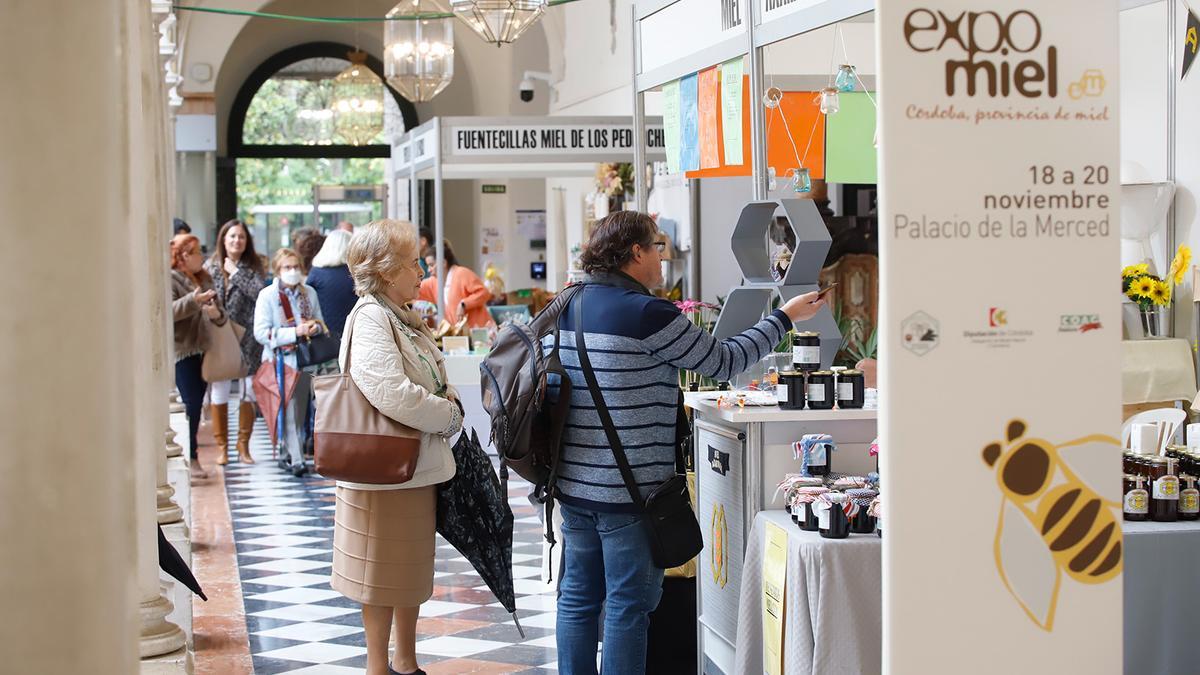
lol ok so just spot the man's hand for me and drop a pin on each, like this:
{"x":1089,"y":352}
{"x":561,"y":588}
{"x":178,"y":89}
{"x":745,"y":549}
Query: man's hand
{"x":803,"y":307}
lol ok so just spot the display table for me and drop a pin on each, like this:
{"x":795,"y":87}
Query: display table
{"x":833,"y":616}
{"x":741,"y":454}
{"x":1156,"y":372}
{"x":833,"y":619}
{"x":1161,"y":592}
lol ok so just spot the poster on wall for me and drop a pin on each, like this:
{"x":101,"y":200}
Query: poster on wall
{"x":670,"y":103}
{"x":710,"y":156}
{"x":731,"y":110}
{"x":689,"y":123}
{"x":999,"y":174}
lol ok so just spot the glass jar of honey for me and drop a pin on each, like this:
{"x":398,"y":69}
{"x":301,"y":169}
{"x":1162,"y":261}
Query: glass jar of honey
{"x":1189,"y":499}
{"x":1164,"y":490}
{"x":790,"y":390}
{"x":821,"y":390}
{"x":831,"y":515}
{"x":806,"y":351}
{"x":1129,"y":462}
{"x":1137,"y":500}
{"x":861,"y":520}
{"x":802,"y":507}
{"x":851,"y":389}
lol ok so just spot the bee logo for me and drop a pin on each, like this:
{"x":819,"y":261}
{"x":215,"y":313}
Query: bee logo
{"x":719,"y":553}
{"x":1052,"y":520}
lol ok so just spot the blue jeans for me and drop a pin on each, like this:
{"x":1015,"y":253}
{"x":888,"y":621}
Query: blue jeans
{"x":606,"y":563}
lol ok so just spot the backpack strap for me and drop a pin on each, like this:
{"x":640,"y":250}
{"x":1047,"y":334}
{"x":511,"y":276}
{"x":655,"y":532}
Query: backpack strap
{"x":602,"y":409}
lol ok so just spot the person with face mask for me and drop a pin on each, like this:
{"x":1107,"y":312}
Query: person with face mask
{"x":278,"y":335}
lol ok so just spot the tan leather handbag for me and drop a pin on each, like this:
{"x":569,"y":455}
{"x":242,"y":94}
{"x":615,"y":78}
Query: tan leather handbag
{"x":223,"y":353}
{"x":355,"y":442}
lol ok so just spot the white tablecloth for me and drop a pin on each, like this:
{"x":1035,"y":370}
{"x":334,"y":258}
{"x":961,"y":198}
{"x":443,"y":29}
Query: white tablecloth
{"x":1157,"y":370}
{"x":833,"y":605}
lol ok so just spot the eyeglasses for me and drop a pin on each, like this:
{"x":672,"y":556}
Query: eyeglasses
{"x":660,"y":245}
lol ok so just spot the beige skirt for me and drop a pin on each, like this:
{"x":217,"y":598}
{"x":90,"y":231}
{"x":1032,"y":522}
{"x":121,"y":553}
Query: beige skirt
{"x":383,"y":545}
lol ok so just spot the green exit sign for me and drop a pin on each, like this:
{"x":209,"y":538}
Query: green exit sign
{"x":495,"y":189}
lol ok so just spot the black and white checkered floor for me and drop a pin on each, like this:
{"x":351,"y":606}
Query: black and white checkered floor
{"x":283,"y":528}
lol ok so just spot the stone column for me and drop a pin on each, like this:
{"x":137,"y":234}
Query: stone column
{"x":65,"y":481}
{"x":161,"y":643}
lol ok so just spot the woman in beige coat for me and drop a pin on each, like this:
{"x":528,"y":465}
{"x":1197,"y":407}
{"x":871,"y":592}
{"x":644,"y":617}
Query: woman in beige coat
{"x":383,"y":537}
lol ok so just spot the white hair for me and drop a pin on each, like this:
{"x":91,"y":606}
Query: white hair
{"x":333,"y":251}
{"x":377,"y":249}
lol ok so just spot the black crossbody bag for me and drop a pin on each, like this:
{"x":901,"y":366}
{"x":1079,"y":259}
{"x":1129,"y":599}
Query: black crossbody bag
{"x":667,"y":514}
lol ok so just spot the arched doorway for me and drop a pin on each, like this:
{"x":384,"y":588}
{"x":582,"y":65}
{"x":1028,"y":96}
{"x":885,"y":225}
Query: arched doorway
{"x":282,"y":141}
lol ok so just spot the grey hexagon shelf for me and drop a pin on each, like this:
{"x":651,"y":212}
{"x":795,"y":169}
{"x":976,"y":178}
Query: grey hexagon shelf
{"x":746,"y":304}
{"x":749,"y":242}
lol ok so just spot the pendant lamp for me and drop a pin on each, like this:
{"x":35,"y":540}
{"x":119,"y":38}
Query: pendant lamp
{"x":357,"y":103}
{"x":499,"y":21}
{"x":418,"y":54}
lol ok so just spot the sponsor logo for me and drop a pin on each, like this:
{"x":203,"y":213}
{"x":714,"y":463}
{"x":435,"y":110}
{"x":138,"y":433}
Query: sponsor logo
{"x":1091,"y":84}
{"x":997,"y":334}
{"x":718,"y":461}
{"x":1079,"y":323}
{"x":920,"y":333}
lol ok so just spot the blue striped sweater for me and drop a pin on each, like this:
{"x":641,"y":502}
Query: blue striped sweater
{"x":637,"y":344}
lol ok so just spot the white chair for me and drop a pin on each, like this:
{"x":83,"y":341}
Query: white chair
{"x":1168,"y":421}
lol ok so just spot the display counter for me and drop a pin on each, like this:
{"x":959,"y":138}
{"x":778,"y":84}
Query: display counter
{"x":832,"y":620}
{"x":463,"y":372}
{"x":741,"y":455}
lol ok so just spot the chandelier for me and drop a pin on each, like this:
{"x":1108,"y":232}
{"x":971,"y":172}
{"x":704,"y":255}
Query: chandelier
{"x":499,"y":21}
{"x":418,"y":54}
{"x":357,"y":103}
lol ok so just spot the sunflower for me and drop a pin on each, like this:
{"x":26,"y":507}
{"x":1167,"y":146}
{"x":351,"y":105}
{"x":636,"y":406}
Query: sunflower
{"x":1160,"y":294}
{"x":1135,"y":270}
{"x":1141,"y":287}
{"x":1179,"y":264}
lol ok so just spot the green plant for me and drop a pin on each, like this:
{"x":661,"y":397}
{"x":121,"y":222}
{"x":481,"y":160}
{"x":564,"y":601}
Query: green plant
{"x":857,"y":343}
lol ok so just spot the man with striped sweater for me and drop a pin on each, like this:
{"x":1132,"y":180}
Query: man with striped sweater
{"x":636,"y":344}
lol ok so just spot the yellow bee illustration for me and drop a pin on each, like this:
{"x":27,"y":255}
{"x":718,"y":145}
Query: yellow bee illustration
{"x":719,"y":551}
{"x":1052,"y":518}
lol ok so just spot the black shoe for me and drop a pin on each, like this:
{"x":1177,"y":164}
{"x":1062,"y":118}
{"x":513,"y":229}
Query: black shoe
{"x":285,"y":463}
{"x":300,"y":469}
{"x":393,"y":671}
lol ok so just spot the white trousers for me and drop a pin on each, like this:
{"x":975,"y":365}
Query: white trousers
{"x":219,"y":391}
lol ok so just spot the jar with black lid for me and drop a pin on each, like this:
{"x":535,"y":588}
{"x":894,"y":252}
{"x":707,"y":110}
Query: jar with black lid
{"x":861,"y":521}
{"x":1136,"y":502}
{"x":790,"y":390}
{"x":851,"y":389}
{"x":1164,"y":490}
{"x":821,"y":391}
{"x":806,"y":351}
{"x":1189,"y":499}
{"x":831,"y":515}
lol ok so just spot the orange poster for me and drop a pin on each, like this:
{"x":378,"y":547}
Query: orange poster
{"x":710,"y":157}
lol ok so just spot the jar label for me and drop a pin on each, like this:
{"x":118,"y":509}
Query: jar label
{"x":781,"y":393}
{"x":817,"y":456}
{"x":823,"y":519}
{"x":1189,"y":500}
{"x":1166,"y":487}
{"x":1137,"y":501}
{"x":801,"y":354}
{"x":845,"y":391}
{"x":816,"y":392}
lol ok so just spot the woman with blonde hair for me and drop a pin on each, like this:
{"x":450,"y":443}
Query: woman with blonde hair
{"x":193,"y":302}
{"x":383,"y":537}
{"x":286,"y":311}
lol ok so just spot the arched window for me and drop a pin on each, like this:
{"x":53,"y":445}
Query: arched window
{"x":283,"y":141}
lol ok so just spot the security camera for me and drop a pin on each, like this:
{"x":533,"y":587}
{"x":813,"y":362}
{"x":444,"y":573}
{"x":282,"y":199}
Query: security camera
{"x":525,"y":88}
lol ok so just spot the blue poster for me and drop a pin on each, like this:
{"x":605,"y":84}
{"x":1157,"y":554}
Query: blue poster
{"x":689,"y":124}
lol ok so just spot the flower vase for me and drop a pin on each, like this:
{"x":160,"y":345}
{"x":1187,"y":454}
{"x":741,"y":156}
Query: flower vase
{"x":1154,"y":321}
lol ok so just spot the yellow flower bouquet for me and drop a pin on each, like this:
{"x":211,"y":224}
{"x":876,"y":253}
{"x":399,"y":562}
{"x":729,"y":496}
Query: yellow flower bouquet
{"x":1149,"y":290}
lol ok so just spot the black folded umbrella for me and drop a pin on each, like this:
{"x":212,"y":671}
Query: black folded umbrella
{"x":474,"y":516}
{"x":172,"y":563}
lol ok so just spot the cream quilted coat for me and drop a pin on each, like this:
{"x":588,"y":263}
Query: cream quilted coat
{"x":399,"y":372}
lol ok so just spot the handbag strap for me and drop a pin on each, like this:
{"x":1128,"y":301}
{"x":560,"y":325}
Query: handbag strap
{"x":287,"y":308}
{"x":349,"y":328}
{"x":610,"y":430}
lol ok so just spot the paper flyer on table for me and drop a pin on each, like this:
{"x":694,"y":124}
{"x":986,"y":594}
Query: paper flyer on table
{"x":731,"y":110}
{"x":774,"y":575}
{"x":670,"y":103}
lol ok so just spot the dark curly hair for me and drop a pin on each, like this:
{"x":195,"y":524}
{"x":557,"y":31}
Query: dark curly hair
{"x":611,"y":245}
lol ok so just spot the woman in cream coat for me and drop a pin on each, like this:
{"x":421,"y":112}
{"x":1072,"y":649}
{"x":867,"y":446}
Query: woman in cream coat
{"x":383,"y":541}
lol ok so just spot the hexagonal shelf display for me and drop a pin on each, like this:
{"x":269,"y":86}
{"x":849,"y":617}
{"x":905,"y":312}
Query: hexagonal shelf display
{"x":749,"y":242}
{"x":746,"y":304}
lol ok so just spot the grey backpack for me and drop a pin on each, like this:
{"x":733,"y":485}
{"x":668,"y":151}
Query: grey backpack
{"x":517,"y":375}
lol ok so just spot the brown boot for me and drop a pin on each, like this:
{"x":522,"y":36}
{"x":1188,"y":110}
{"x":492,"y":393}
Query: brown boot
{"x":245,"y":426}
{"x":219,"y":413}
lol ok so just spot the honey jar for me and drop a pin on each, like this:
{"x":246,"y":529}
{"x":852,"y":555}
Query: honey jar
{"x":806,"y":351}
{"x":1137,"y":500}
{"x":790,"y":391}
{"x":821,"y":391}
{"x":831,"y":515}
{"x":861,"y":520}
{"x":851,"y":389}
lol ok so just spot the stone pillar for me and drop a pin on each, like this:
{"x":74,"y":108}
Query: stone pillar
{"x":69,"y":604}
{"x":161,"y":643}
